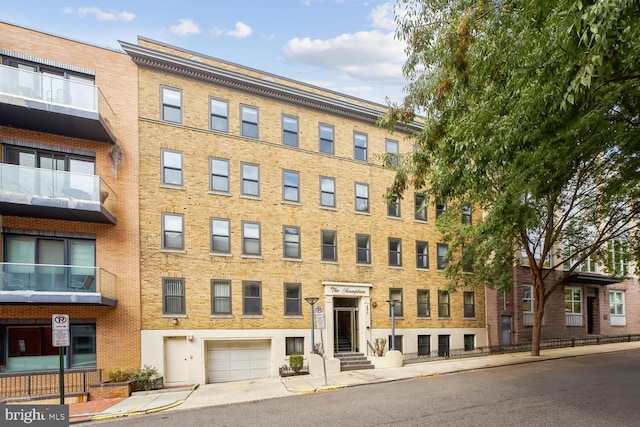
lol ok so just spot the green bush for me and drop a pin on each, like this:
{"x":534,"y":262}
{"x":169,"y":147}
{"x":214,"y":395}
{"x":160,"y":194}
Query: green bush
{"x":295,"y":362}
{"x":142,"y":379}
{"x":120,"y":375}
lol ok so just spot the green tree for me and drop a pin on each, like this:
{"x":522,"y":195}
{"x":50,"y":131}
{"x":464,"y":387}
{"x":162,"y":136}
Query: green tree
{"x":531,"y":113}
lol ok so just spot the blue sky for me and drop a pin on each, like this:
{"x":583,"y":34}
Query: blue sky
{"x":346,"y":46}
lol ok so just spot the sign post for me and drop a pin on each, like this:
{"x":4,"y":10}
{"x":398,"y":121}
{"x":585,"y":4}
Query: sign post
{"x":60,"y":338}
{"x":320,"y":323}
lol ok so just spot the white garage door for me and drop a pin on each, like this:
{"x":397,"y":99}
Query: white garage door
{"x":237,"y":360}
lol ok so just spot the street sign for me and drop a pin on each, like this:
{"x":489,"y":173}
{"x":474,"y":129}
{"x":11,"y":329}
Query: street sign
{"x":60,"y":322}
{"x":60,"y":338}
{"x":320,"y":317}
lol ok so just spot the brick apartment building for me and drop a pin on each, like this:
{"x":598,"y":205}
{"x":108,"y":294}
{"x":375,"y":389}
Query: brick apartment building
{"x":257,"y":192}
{"x":68,"y":215}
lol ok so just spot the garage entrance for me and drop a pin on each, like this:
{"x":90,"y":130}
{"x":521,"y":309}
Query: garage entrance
{"x":237,"y":360}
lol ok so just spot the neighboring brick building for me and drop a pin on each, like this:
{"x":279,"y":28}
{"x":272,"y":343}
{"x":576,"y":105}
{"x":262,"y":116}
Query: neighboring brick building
{"x":257,"y":192}
{"x":70,"y":242}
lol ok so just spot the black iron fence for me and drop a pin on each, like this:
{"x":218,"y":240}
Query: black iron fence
{"x":22,"y":385}
{"x":516,"y":348}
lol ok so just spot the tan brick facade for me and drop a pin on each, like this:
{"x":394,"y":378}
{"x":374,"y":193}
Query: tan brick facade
{"x":117,"y":246}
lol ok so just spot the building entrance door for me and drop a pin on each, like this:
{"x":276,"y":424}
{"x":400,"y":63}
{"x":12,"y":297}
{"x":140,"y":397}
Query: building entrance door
{"x":345,"y":320}
{"x":505,"y":336}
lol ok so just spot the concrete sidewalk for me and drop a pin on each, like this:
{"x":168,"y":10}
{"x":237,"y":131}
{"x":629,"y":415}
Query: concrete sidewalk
{"x":191,"y":397}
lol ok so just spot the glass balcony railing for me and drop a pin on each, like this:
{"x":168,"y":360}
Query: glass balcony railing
{"x":56,"y":278}
{"x":47,"y":187}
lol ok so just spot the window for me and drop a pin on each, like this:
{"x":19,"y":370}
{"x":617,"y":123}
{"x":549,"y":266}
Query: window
{"x":291,"y":242}
{"x":392,"y":151}
{"x":327,"y":192}
{"x":171,"y":105}
{"x":393,"y":208}
{"x":422,"y":254}
{"x":424,"y":345}
{"x":250,"y":179}
{"x":252,"y":298}
{"x":618,"y":258}
{"x":295,"y":345}
{"x":360,"y":146}
{"x":443,"y":345}
{"x":329,"y":245}
{"x":326,"y":139}
{"x":173,"y":296}
{"x":616,"y":308}
{"x":171,"y":167}
{"x":220,"y":236}
{"x":395,"y":252}
{"x":420,"y":202}
{"x":292,"y":299}
{"x":363,"y":243}
{"x":250,"y":238}
{"x":398,"y":343}
{"x":469,"y":304}
{"x":219,"y":115}
{"x":220,"y":297}
{"x":573,"y":306}
{"x":466,"y":213}
{"x":442,"y":255}
{"x":441,"y":207}
{"x":172,"y":231}
{"x":290,"y":131}
{"x":219,"y":175}
{"x":469,"y":342}
{"x":443,"y":304}
{"x":362,"y":198}
{"x":291,"y":186}
{"x":527,"y":299}
{"x":249,"y":123}
{"x":395,"y":294}
{"x":467,"y":259}
{"x":423,"y":303}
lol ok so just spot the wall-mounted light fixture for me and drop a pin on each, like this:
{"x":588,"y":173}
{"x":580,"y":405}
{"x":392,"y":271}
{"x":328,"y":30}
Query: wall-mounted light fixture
{"x":174,"y":320}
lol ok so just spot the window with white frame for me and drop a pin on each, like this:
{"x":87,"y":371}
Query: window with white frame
{"x":573,"y":306}
{"x":250,"y":179}
{"x":219,"y":115}
{"x":392,"y":151}
{"x":616,"y":308}
{"x":363,"y":248}
{"x":291,"y":186}
{"x":326,"y":139}
{"x":619,"y":258}
{"x":172,"y":231}
{"x":249,"y":118}
{"x":219,"y":174}
{"x":220,"y":236}
{"x":329,"y":245}
{"x":528,"y":299}
{"x":360,"y":146}
{"x":327,"y":192}
{"x":362,"y":197}
{"x":171,"y":167}
{"x":250,"y":238}
{"x":290,"y":131}
{"x":291,"y":243}
{"x":220,"y":296}
{"x":171,"y":105}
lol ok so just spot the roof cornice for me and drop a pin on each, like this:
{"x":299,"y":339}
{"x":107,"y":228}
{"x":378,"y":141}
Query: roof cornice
{"x":173,"y":64}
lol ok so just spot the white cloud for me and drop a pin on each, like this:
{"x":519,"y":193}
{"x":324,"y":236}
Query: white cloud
{"x":241,"y":31}
{"x":383,"y":17}
{"x":367,"y":55}
{"x":100,"y":14}
{"x":185,"y":27}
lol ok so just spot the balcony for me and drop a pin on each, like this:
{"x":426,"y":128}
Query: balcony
{"x":46,"y":193}
{"x":51,"y":104}
{"x":56,"y":284}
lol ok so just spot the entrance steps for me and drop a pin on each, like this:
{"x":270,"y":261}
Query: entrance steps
{"x":353,"y":361}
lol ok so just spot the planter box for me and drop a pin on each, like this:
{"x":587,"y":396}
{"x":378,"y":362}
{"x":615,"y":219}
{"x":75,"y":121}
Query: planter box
{"x":109,"y":390}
